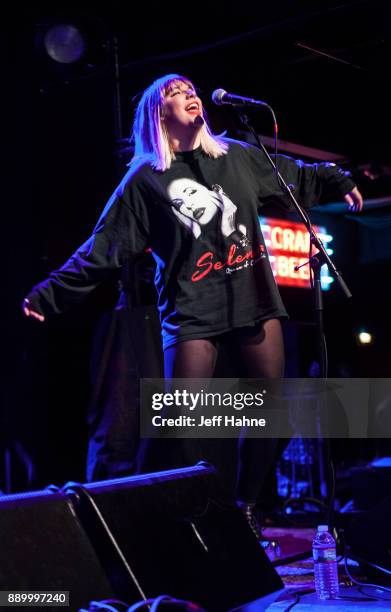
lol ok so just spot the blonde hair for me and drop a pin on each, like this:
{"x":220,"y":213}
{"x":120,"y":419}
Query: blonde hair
{"x":149,"y":135}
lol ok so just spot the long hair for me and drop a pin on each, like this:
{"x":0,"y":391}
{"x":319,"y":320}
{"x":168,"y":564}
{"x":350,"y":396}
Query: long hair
{"x":149,"y":135}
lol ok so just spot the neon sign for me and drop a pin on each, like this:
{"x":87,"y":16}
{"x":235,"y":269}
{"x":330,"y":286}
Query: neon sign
{"x":288,"y":246}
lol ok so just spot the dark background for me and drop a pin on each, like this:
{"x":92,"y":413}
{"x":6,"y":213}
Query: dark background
{"x":64,"y":150}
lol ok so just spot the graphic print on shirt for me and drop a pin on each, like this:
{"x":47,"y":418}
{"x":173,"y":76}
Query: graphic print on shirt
{"x":195,"y":206}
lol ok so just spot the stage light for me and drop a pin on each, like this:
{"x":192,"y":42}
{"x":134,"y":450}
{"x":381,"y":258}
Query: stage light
{"x":364,"y":337}
{"x":64,"y":43}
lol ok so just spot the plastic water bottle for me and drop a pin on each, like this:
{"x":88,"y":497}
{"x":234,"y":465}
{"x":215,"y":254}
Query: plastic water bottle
{"x":325,"y":564}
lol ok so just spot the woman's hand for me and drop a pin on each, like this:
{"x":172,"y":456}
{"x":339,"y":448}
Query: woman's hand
{"x":354,"y":200}
{"x":228,"y":209}
{"x":29,"y":312}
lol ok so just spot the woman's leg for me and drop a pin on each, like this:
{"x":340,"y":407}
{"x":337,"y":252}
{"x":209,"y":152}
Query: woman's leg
{"x":188,"y":359}
{"x":262,"y":352}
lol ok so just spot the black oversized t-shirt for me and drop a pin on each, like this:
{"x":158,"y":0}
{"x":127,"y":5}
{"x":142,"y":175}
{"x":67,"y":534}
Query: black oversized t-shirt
{"x":200,"y":220}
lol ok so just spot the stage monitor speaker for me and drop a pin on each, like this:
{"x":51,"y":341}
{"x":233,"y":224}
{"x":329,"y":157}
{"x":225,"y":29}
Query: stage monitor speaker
{"x":173,"y":535}
{"x":369,"y":535}
{"x":45,"y":548}
{"x":371,"y":485}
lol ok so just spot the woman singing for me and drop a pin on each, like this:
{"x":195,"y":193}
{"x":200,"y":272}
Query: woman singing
{"x":193,"y":198}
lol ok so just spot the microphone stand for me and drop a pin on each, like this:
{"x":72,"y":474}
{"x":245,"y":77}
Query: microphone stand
{"x":322,"y":256}
{"x":316,"y":262}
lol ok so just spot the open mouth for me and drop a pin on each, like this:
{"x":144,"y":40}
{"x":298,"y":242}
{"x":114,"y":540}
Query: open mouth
{"x":197,"y":214}
{"x":192,"y":107}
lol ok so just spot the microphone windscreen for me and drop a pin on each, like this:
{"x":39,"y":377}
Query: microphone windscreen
{"x":217,"y":96}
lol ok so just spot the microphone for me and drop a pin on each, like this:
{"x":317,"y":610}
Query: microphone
{"x":220,"y":96}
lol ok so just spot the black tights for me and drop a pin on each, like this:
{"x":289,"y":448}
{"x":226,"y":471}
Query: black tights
{"x":261,"y":352}
{"x":261,"y":349}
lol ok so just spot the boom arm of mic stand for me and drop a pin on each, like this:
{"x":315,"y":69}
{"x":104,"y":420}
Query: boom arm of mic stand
{"x":315,"y":240}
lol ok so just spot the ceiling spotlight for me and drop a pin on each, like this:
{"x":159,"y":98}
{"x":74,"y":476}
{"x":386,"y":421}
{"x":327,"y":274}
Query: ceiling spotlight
{"x":364,"y":337}
{"x":64,"y":43}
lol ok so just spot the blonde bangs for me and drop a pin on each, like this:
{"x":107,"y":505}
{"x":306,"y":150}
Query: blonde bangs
{"x":176,"y":82}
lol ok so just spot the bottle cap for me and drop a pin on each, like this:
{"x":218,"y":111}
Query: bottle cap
{"x":323,"y":527}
